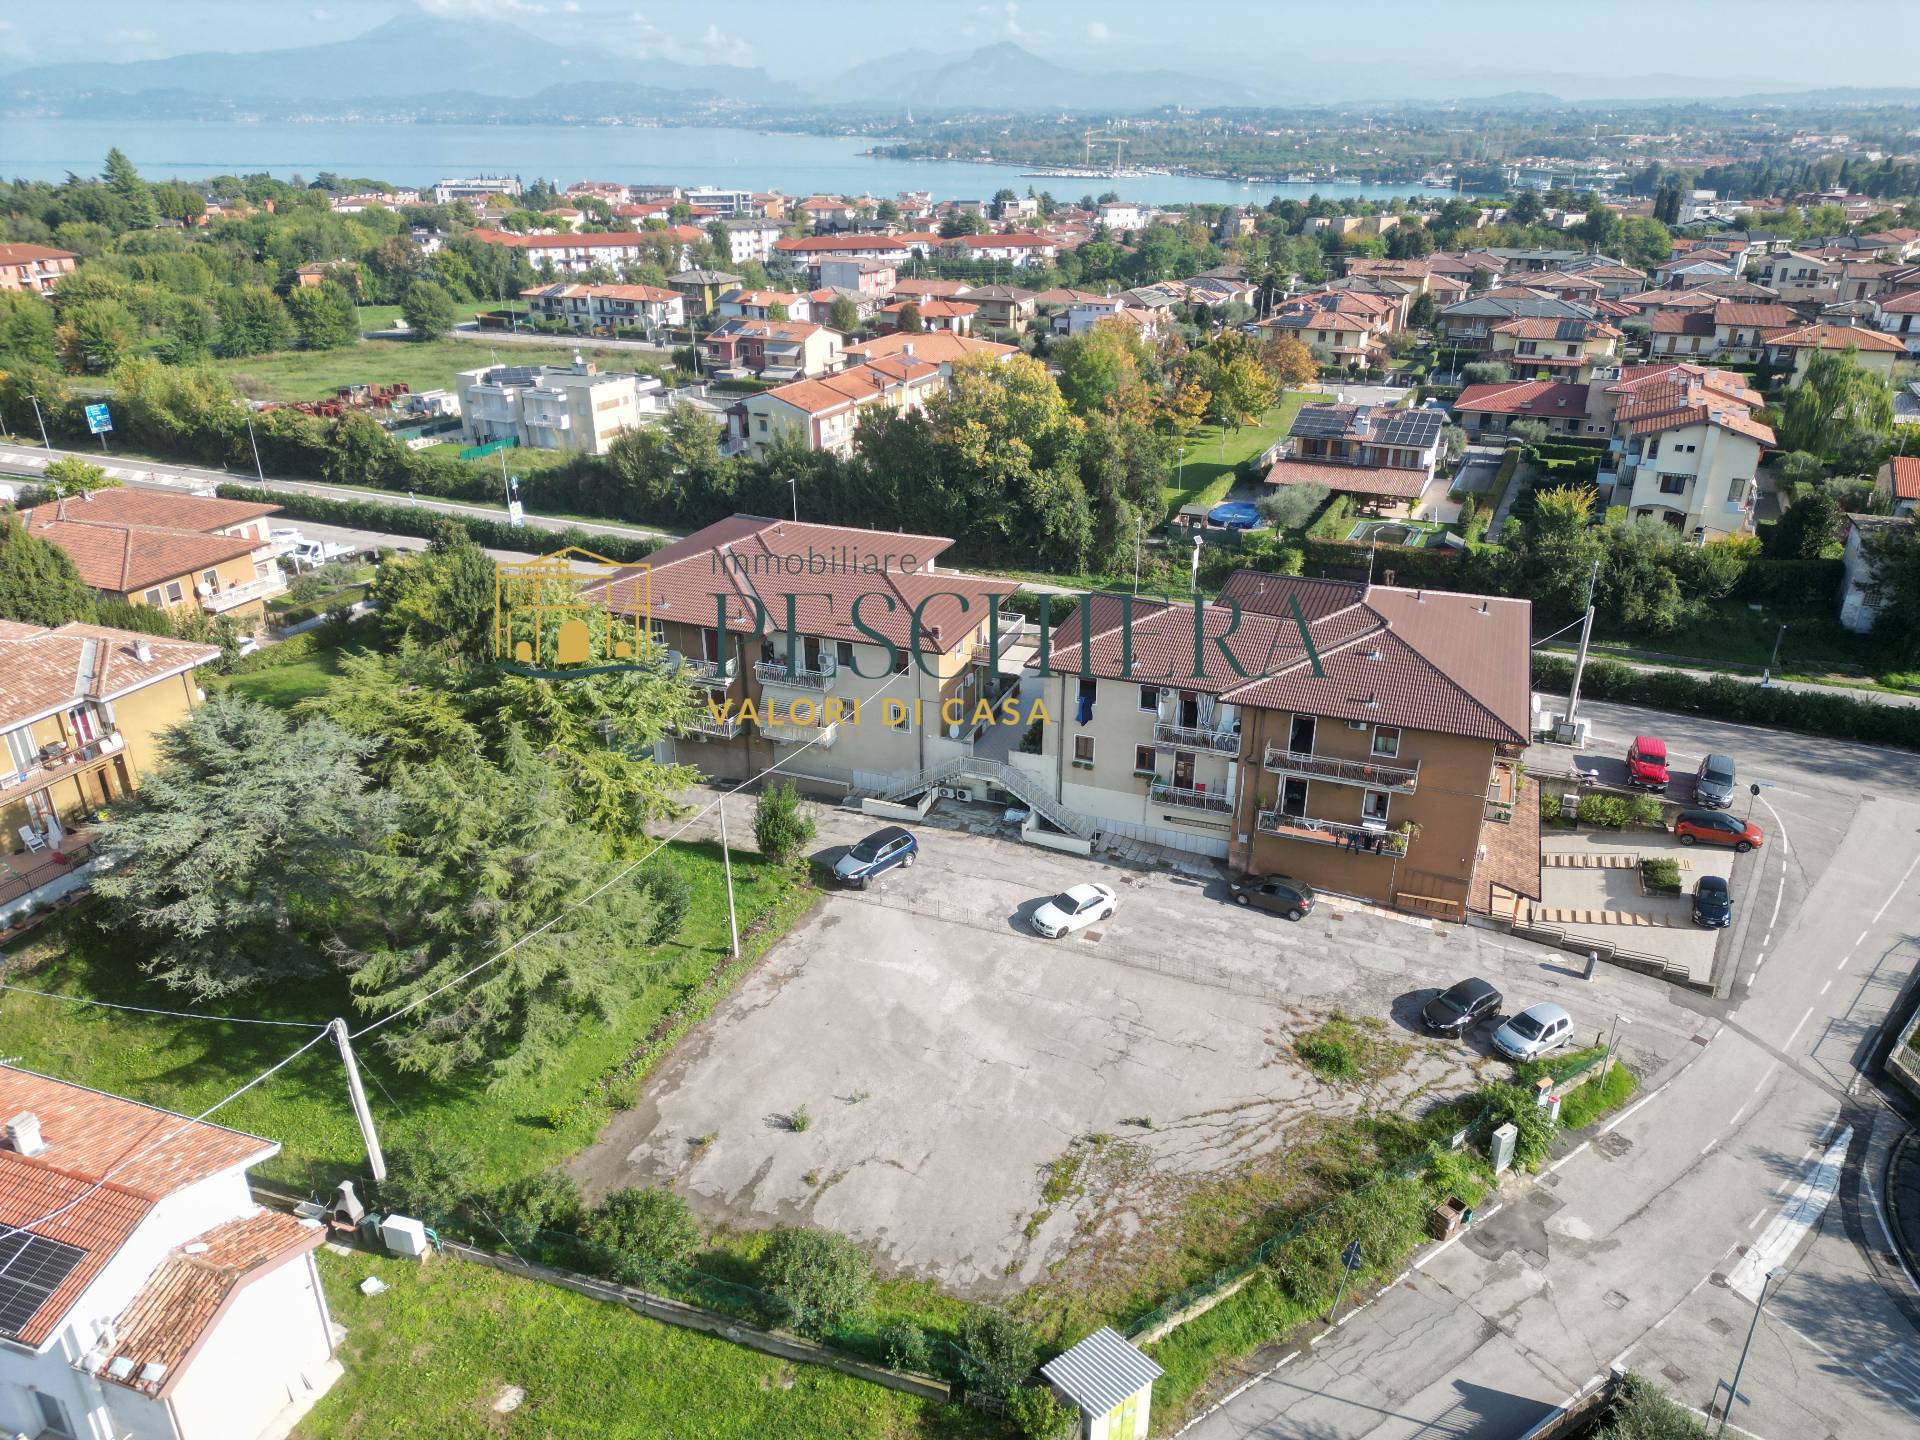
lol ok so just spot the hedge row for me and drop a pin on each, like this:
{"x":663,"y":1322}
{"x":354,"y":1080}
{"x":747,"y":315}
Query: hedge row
{"x":1833,"y":714}
{"x":1791,"y":582}
{"x":421,"y":522}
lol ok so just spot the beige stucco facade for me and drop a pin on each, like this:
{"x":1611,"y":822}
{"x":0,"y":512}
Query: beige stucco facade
{"x":1695,"y":476}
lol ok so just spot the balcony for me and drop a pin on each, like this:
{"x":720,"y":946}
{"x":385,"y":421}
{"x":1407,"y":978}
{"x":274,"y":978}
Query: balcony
{"x":230,"y":597}
{"x":718,"y":673}
{"x":1503,"y":788}
{"x":1214,"y":802}
{"x":1369,"y":774}
{"x":704,"y":727}
{"x":1012,"y":626}
{"x":785,"y":734}
{"x":62,"y":764}
{"x":1333,"y":832}
{"x":36,"y":878}
{"x":775,"y":672}
{"x":1194,"y":737}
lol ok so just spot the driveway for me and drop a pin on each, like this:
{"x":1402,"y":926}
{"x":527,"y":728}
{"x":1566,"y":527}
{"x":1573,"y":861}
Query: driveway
{"x":947,"y":1064}
{"x":1590,"y":888}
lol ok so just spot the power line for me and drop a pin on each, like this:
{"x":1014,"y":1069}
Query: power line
{"x":173,"y":1014}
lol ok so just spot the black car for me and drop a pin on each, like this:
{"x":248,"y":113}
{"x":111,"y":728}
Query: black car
{"x":876,"y":855}
{"x":1456,"y":1011}
{"x":1278,"y":893}
{"x":1713,"y":783}
{"x":1713,"y":902}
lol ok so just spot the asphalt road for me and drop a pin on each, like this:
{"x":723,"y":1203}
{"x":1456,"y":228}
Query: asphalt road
{"x":1759,"y":1151}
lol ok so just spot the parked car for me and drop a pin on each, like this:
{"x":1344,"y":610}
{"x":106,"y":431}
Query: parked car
{"x":1716,"y":827}
{"x":875,"y":855}
{"x":1278,"y":893}
{"x":1713,"y":783}
{"x":1713,"y":902}
{"x":1647,"y":763}
{"x":1533,"y":1032}
{"x":1074,"y":909}
{"x":1459,"y":1008}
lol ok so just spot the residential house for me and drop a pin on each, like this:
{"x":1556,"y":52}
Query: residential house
{"x":822,"y":414}
{"x":750,"y":237}
{"x":840,"y":709}
{"x":1344,"y":333}
{"x":872,"y":280}
{"x":1383,"y":456}
{"x":729,"y":203}
{"x":1123,"y":215}
{"x":1564,"y":348}
{"x":806,"y":251}
{"x":1002,"y":307}
{"x":82,"y":708}
{"x":34,"y":268}
{"x":1898,"y":484}
{"x":1685,"y":447}
{"x":1899,"y":244}
{"x":953,"y":317}
{"x":1017,"y":249}
{"x":551,"y":407}
{"x":1466,"y":327}
{"x":939,"y":347}
{"x":608,"y":309}
{"x":1899,"y":316}
{"x":1491,"y":410}
{"x":1615,"y":279}
{"x":1729,"y":330}
{"x":574,"y":254}
{"x":827,"y":212}
{"x":1650,"y":303}
{"x":1876,"y":353}
{"x":763,"y":305}
{"x":929,"y":289}
{"x":161,"y":548}
{"x":1690,"y":271}
{"x":1858,"y":609}
{"x":321,"y":271}
{"x":1578,"y":289}
{"x":772,"y":349}
{"x":148,"y":1295}
{"x":1799,"y":278}
{"x":702,"y":289}
{"x":1083,"y":315}
{"x":476,"y":188}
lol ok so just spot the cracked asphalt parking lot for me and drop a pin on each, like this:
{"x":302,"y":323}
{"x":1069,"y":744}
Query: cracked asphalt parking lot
{"x":944,"y":1055}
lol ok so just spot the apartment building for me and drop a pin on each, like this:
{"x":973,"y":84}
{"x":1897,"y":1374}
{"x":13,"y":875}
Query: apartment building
{"x":772,"y":349}
{"x":834,"y":705}
{"x":1564,"y":349}
{"x":153,"y":547}
{"x":721,"y":202}
{"x":823,"y":414}
{"x":764,"y":305}
{"x":550,"y":407}
{"x":476,"y":188}
{"x":872,"y":280}
{"x":571,"y":254}
{"x":1685,"y":448}
{"x":34,"y":268}
{"x":81,"y":707}
{"x":1796,"y":346}
{"x":1466,"y":327}
{"x":608,"y":308}
{"x":1383,"y":455}
{"x":1491,"y":410}
{"x":1377,"y":776}
{"x":1729,"y":330}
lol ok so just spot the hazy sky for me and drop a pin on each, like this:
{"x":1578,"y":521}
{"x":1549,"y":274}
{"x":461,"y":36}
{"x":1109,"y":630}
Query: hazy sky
{"x":1725,"y":46}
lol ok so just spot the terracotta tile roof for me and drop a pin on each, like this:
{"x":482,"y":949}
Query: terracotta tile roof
{"x":827,"y":244}
{"x":1065,"y":295}
{"x":177,"y":1309}
{"x":1541,"y":327}
{"x":1658,"y":404}
{"x":850,"y":386}
{"x":124,"y":558}
{"x":934,"y":309}
{"x":746,"y":556}
{"x":1735,"y":312}
{"x":765,"y":298}
{"x":120,"y":505}
{"x":651,"y":293}
{"x":42,"y":670}
{"x":942,"y":347}
{"x":1836,"y":337}
{"x":605,"y":240}
{"x":22,"y":254}
{"x":1539,"y":398}
{"x":1698,"y":299}
{"x":1682,"y":322}
{"x":110,"y":1160}
{"x":1906,"y":477}
{"x":1378,"y":480}
{"x":1019,"y":240}
{"x":942,"y":289}
{"x":1907,"y":304}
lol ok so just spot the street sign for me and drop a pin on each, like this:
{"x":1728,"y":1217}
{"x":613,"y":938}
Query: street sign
{"x":1350,"y":1257}
{"x":98,"y":419}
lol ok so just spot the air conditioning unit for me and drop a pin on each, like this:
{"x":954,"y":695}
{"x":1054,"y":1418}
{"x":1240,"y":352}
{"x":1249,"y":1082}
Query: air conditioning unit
{"x":1166,"y":692}
{"x":1356,"y":724}
{"x":947,"y":792}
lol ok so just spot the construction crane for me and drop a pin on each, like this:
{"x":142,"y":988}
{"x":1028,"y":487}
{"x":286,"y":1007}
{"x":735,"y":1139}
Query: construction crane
{"x":1119,"y":143}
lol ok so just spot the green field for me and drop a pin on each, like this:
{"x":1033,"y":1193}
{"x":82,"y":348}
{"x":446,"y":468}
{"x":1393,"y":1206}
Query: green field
{"x":316,"y":374}
{"x":1732,"y":636}
{"x":431,"y":1354}
{"x":1212,"y":454}
{"x":285,"y":685}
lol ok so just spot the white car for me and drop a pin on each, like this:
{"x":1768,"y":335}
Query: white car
{"x":1074,"y":909}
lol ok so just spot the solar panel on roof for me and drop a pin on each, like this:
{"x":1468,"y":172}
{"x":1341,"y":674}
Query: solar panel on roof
{"x":31,"y":1269}
{"x":1321,"y":420}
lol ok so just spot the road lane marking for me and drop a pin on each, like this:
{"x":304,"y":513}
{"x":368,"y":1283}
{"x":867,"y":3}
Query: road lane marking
{"x":1796,"y":1028}
{"x":1629,"y":1112}
{"x":1710,"y":1144}
{"x":1861,"y":941}
{"x":1826,"y":987}
{"x":1568,"y":1156}
{"x":1896,"y":890}
{"x":1795,"y":1219}
{"x":1758,"y":1216}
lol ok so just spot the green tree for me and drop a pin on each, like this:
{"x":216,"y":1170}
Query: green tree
{"x":998,"y":1352}
{"x":1836,"y":397}
{"x":235,"y":845}
{"x":908,"y":321}
{"x":1424,"y":313}
{"x":783,"y":823}
{"x":441,"y":597}
{"x":1243,"y":391}
{"x":843,"y":315}
{"x":26,"y":329}
{"x":1808,"y":527}
{"x":136,"y":207}
{"x":95,"y":335}
{"x":1037,"y":1415}
{"x":1103,"y":369}
{"x":322,"y":315}
{"x":428,"y":310}
{"x":70,"y":475}
{"x":1893,"y":585}
{"x":1485,"y":372}
{"x":643,"y":1235}
{"x":38,"y":582}
{"x":1553,"y":555}
{"x":253,"y":321}
{"x":821,"y":1280}
{"x":1292,"y":507}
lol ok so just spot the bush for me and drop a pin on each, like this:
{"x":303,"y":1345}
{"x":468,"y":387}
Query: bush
{"x":998,"y":1352}
{"x":782,"y":822}
{"x":1641,"y":1412}
{"x":1291,"y":507}
{"x":906,"y":1347}
{"x":1660,"y":877}
{"x":1037,"y":1415}
{"x":429,"y":1180}
{"x":525,"y":1207}
{"x":820,"y":1280}
{"x":1645,"y":811}
{"x":1610,"y":812}
{"x":289,"y":651}
{"x":642,"y":1235}
{"x":672,"y":897}
{"x":1514,"y":1105}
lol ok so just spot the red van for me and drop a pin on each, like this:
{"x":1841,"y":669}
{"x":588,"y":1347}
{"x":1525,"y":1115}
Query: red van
{"x":1647,"y":763}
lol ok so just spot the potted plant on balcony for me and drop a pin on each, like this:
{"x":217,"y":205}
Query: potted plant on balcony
{"x":1410,"y":829}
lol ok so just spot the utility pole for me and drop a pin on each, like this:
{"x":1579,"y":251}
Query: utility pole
{"x":43,"y":421}
{"x":1580,"y":661}
{"x":1759,"y":1304}
{"x":1618,"y":1020}
{"x":357,"y":1094}
{"x":259,"y":474}
{"x":726,"y":862}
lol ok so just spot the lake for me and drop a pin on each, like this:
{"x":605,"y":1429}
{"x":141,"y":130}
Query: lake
{"x":418,"y":155}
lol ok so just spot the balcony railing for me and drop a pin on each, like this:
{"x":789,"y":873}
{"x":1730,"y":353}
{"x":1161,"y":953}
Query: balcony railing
{"x":59,"y":766}
{"x":1194,"y":737}
{"x":784,"y":734}
{"x":227,"y":597}
{"x":1012,"y":627}
{"x":708,"y":672}
{"x":1213,"y":801}
{"x":1398,"y":779}
{"x":775,"y":672}
{"x":1333,"y":832}
{"x":704,"y":727}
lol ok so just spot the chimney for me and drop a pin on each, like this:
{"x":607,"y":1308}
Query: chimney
{"x":143,"y":651}
{"x":23,"y":1134}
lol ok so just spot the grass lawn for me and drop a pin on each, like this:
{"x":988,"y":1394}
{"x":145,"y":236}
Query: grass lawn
{"x":431,"y":1354}
{"x":1212,"y":454}
{"x":285,"y":685}
{"x":1732,"y":636}
{"x":316,"y":374}
{"x":513,"y":1129}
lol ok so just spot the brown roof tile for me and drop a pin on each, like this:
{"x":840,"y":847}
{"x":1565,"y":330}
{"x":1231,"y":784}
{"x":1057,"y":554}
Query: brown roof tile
{"x":42,"y":670}
{"x":1349,"y":479}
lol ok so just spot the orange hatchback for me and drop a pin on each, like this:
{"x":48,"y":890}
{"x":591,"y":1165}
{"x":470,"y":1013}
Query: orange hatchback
{"x":1716,"y":827}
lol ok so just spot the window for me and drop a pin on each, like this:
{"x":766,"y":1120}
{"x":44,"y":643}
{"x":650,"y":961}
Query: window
{"x":1085,"y":695}
{"x":1146,"y":760}
{"x":1386,"y":741}
{"x":53,"y":1414}
{"x":1150,"y":699}
{"x":843,"y":654}
{"x":212,"y":577}
{"x":174,"y":593}
{"x":1374,"y":806}
{"x":152,"y":597}
{"x":1673,"y":484}
{"x":21,"y":749}
{"x":1083,"y":751}
{"x":902,"y":659}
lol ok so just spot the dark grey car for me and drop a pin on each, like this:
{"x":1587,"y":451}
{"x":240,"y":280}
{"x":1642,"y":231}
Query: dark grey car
{"x":1713,"y":783}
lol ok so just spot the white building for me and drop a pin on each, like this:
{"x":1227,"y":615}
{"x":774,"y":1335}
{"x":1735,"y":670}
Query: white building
{"x":1122,"y":215}
{"x":142,"y":1292}
{"x":478,"y":187}
{"x":1857,"y":610}
{"x":545,"y":407}
{"x":751,"y":237}
{"x":721,"y":202}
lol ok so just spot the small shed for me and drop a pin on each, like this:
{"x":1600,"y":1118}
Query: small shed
{"x":1110,"y":1381}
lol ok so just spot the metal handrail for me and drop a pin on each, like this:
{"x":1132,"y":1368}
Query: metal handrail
{"x":1347,"y":772}
{"x":1163,"y":793}
{"x":1196,"y":737}
{"x":775,"y":672}
{"x":59,"y":767}
{"x":1332,"y":832}
{"x":707,"y":672}
{"x":1012,"y":626}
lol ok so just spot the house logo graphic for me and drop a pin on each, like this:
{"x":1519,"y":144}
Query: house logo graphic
{"x":554,"y":618}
